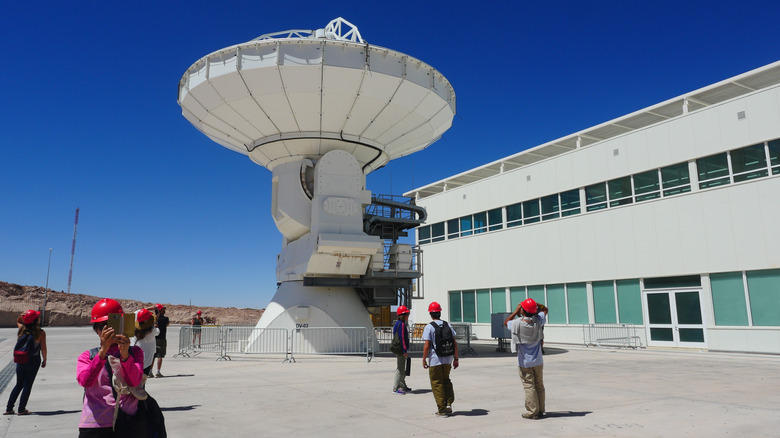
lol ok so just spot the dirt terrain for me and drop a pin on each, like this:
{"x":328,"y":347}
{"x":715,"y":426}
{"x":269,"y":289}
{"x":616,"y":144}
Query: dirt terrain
{"x":64,"y":309}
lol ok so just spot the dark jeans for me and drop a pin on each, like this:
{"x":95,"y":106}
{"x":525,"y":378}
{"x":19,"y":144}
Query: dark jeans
{"x":25,"y":376}
{"x":101,"y":432}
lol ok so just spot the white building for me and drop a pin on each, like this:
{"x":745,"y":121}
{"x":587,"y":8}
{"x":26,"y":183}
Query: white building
{"x":667,"y":218}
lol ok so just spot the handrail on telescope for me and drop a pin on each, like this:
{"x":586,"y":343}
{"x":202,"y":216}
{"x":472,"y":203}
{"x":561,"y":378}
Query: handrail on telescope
{"x":332,"y":31}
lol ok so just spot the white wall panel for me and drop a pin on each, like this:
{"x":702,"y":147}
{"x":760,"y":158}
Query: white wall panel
{"x":706,"y":130}
{"x":762,"y":113}
{"x":680,"y":139}
{"x":735,"y":131}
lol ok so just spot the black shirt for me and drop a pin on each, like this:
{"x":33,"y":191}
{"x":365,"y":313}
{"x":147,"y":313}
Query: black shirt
{"x":162,"y":325}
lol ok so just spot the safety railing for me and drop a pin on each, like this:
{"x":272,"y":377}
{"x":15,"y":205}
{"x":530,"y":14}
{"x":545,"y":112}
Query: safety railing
{"x":462,"y":336}
{"x":611,"y":335}
{"x":384,"y":336}
{"x":332,"y":340}
{"x":194,"y":340}
{"x":251,"y":340}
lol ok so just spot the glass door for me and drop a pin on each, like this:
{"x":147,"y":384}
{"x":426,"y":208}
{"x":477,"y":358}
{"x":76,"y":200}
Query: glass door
{"x":675,"y":319}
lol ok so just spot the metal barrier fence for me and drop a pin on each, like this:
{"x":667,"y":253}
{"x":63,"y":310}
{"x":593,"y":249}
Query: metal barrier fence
{"x":332,"y":340}
{"x":384,"y":336}
{"x":611,"y":335}
{"x":251,"y":340}
{"x":194,"y":340}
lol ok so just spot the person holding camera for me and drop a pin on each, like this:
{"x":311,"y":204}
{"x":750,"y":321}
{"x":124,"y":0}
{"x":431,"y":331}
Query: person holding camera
{"x":30,"y":332}
{"x":527,"y":334}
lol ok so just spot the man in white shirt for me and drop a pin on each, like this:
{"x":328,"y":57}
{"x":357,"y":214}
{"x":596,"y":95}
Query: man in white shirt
{"x":440,"y":365}
{"x":527,"y":335}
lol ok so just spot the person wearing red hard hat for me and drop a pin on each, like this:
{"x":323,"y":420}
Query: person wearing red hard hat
{"x":401,"y":331}
{"x":527,"y":334}
{"x":29,"y":355}
{"x":197,"y":323}
{"x":161,"y":322}
{"x":114,"y":353}
{"x":442,"y":348}
{"x":145,"y":333}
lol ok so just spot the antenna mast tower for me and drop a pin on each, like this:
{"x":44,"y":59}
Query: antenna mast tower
{"x":73,"y":248}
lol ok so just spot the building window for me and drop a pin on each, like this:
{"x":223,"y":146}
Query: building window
{"x":483,"y":305}
{"x":620,"y":191}
{"x":596,"y":197}
{"x":713,"y":171}
{"x":498,"y":300}
{"x":550,"y":207}
{"x":480,"y":222}
{"x":465,"y":226}
{"x":675,"y":179}
{"x":516,"y":296}
{"x":537,"y":293}
{"x":556,"y":300}
{"x":570,"y":202}
{"x":764,"y":298}
{"x":728,"y":299}
{"x":646,"y":186}
{"x":749,"y":163}
{"x":629,"y":298}
{"x":495,"y":219}
{"x":455,"y":308}
{"x":437,"y":232}
{"x":577,"y":303}
{"x":774,"y":155}
{"x":424,"y":234}
{"x":469,"y":306}
{"x":531,"y":211}
{"x":604,"y":302}
{"x":514,"y":215}
{"x":453,"y":229}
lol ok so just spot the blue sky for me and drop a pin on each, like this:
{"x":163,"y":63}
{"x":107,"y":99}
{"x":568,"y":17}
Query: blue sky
{"x":89,"y":119}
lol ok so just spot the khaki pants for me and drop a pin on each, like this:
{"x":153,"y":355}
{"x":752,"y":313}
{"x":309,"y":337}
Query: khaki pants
{"x":441,"y":385}
{"x":533,"y":383}
{"x":400,"y":372}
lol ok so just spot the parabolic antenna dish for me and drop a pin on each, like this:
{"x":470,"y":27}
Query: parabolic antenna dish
{"x":300,"y":94}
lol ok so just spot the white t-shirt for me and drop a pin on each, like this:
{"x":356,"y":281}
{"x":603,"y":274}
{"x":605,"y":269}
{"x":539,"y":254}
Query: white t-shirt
{"x":148,"y":345}
{"x":429,"y":334}
{"x":528,"y":355}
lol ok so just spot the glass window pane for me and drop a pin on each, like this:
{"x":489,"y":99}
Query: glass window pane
{"x":673,"y":282}
{"x":531,"y":211}
{"x":437,"y":232}
{"x":675,"y":179}
{"x":480,"y":222}
{"x":646,"y":182}
{"x":514,"y":215}
{"x":619,"y":191}
{"x":483,"y":305}
{"x":469,"y":306}
{"x":659,"y":309}
{"x":764,"y":292}
{"x":691,"y":335}
{"x":465,"y":226}
{"x":728,"y":299}
{"x":455,"y":315}
{"x":748,"y":163}
{"x":495,"y":219}
{"x":661,"y":334}
{"x":556,"y":301}
{"x":596,"y":196}
{"x":629,"y":302}
{"x":577,"y":296}
{"x":604,"y":302}
{"x":774,"y":152}
{"x":550,"y":207}
{"x":713,"y":171}
{"x":570,"y":202}
{"x":688,"y":307}
{"x":516,"y":296}
{"x":453,"y":228}
{"x":498,"y":299}
{"x":424,"y":234}
{"x":537,"y":293}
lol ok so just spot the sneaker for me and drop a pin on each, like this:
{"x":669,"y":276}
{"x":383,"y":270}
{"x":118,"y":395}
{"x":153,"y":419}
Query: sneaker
{"x":150,"y":375}
{"x":442,"y":414}
{"x":448,"y":409}
{"x":399,"y":392}
{"x":529,"y":416}
{"x":158,"y":374}
{"x":408,"y":389}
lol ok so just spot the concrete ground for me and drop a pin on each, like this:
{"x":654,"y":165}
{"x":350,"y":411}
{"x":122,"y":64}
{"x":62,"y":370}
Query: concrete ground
{"x":590,"y":393}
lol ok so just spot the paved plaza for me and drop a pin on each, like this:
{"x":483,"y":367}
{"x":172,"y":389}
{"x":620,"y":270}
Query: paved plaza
{"x":590,"y":393}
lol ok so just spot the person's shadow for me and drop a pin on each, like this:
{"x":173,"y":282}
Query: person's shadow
{"x":471,"y":413}
{"x":48,"y":413}
{"x":555,"y":414}
{"x":179,"y":408}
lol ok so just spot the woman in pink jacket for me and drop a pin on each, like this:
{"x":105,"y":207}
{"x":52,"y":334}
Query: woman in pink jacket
{"x":97,"y":415}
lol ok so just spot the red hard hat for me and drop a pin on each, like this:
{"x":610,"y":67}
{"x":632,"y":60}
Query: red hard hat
{"x":434,"y":307}
{"x":30,"y":316}
{"x":143,"y":315}
{"x":530,"y":306}
{"x":199,"y":312}
{"x":402,"y":310}
{"x":159,"y":306}
{"x":102,"y":308}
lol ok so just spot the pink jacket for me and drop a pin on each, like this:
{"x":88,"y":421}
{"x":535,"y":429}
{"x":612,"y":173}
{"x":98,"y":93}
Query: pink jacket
{"x":98,"y":410}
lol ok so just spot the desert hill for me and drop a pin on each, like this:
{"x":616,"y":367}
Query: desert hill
{"x":64,"y":309}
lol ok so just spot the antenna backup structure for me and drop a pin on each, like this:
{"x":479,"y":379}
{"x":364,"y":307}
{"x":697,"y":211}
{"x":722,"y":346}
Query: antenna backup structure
{"x":321,"y":109}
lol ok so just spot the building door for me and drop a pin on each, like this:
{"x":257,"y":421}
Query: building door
{"x":674,"y":319}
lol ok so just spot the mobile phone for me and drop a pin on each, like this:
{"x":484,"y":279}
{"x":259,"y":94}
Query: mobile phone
{"x":123,"y":324}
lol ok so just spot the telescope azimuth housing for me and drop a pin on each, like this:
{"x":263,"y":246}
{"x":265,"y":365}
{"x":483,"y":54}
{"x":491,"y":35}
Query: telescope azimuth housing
{"x":294,"y":95}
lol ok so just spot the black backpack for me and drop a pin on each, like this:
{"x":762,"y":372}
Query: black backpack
{"x":445,"y":342}
{"x":23,"y":348}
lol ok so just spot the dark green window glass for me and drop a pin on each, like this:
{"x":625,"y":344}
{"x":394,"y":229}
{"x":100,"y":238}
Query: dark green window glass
{"x":596,"y":196}
{"x":550,"y":207}
{"x":483,"y":305}
{"x":713,"y":171}
{"x":749,"y":163}
{"x":516,"y":296}
{"x":688,"y":307}
{"x":455,"y":314}
{"x":556,"y":301}
{"x":465,"y":226}
{"x":570,"y":202}
{"x":620,"y":191}
{"x":659,"y":309}
{"x":424,"y":234}
{"x":728,"y":299}
{"x":691,"y":335}
{"x":531,"y":211}
{"x":604,"y":311}
{"x":675,"y":179}
{"x":498,"y":299}
{"x":453,"y":228}
{"x":764,"y":292}
{"x":577,"y":296}
{"x":629,"y":296}
{"x":673,"y":282}
{"x":495,"y":221}
{"x":469,"y":306}
{"x":437,"y":232}
{"x":514,"y":215}
{"x":646,"y":186}
{"x":661,"y":334}
{"x":480,"y":222}
{"x":774,"y":155}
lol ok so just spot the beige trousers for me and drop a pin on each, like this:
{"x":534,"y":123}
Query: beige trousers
{"x":533,"y":383}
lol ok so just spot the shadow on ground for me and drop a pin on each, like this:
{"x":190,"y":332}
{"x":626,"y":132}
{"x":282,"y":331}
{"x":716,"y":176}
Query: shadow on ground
{"x":471,"y":413}
{"x":60,"y":412}
{"x":179,"y":408}
{"x":566,"y":414}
